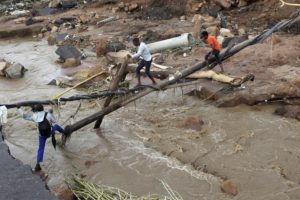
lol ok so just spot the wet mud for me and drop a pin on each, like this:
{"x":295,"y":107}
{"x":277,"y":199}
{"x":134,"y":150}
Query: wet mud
{"x":154,"y":139}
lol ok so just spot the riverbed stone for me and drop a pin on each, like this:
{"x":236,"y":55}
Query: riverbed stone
{"x":14,"y":71}
{"x":71,"y":62}
{"x":194,"y":123}
{"x":101,"y":48}
{"x":229,"y":187}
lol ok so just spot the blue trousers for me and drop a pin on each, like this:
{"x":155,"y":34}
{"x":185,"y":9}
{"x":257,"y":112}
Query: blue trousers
{"x":144,"y":63}
{"x":42,"y":142}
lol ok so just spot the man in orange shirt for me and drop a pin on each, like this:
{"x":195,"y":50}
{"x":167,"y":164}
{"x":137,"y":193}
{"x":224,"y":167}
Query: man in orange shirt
{"x":216,"y":48}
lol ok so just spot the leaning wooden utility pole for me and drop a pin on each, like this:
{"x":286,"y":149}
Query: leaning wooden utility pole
{"x":71,"y":128}
{"x":226,"y":53}
{"x":118,"y":77}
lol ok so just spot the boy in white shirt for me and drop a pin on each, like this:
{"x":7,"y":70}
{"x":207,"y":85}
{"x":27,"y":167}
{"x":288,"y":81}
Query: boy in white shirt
{"x":146,"y":60}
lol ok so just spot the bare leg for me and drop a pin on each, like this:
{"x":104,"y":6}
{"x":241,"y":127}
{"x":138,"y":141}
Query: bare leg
{"x":153,"y":80}
{"x":221,"y":66}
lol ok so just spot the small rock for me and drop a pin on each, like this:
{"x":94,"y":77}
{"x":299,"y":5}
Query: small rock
{"x":209,"y":19}
{"x":115,"y":9}
{"x":15,"y":71}
{"x":83,"y":19}
{"x":54,"y":3}
{"x":20,"y":20}
{"x":29,"y":21}
{"x":194,"y":123}
{"x":20,"y":5}
{"x":115,"y":45}
{"x":242,"y":31}
{"x":71,"y":62}
{"x":223,"y":3}
{"x":213,"y":30}
{"x":58,"y":22}
{"x":44,"y":30}
{"x":197,"y":19}
{"x":54,"y":29}
{"x":183,"y":18}
{"x":225,"y":32}
{"x":229,"y":187}
{"x":242,"y":3}
{"x":40,"y":35}
{"x":51,"y":40}
{"x":101,"y":47}
{"x":208,"y":24}
{"x":133,"y":7}
{"x":121,"y":5}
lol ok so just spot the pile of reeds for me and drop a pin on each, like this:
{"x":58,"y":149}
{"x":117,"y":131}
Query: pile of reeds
{"x":87,"y":191}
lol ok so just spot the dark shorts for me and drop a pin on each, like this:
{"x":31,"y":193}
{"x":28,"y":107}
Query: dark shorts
{"x":144,"y":63}
{"x":216,"y":54}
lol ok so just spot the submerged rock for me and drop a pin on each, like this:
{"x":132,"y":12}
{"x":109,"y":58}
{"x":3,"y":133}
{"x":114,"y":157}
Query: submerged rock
{"x":229,"y":187}
{"x":290,"y":111}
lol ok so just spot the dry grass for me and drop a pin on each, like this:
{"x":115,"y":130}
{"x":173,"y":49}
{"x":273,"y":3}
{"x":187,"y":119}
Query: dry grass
{"x":87,"y":191}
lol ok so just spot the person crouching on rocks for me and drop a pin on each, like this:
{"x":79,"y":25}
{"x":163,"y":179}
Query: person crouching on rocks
{"x":146,"y":60}
{"x":46,"y":126}
{"x":216,"y":48}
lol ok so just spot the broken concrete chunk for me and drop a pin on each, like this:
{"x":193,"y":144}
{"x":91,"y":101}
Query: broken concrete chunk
{"x":68,"y":51}
{"x":15,"y":71}
{"x":101,"y":47}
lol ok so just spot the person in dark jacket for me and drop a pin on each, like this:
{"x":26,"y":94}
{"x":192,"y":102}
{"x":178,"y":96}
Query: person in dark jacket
{"x":39,"y":116}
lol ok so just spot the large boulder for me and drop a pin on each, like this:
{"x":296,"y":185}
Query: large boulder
{"x":14,"y":71}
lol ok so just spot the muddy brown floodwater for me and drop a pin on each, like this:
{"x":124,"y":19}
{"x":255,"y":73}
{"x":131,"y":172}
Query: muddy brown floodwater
{"x":145,"y":142}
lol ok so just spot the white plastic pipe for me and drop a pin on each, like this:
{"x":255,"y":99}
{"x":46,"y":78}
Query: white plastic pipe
{"x":181,"y":41}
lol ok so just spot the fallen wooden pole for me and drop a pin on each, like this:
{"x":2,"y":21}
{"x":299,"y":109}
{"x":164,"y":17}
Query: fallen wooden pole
{"x":113,"y":87}
{"x":72,"y":98}
{"x":226,"y":53}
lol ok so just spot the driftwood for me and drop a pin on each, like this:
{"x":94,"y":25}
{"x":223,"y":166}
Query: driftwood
{"x":114,"y":86}
{"x":226,"y":53}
